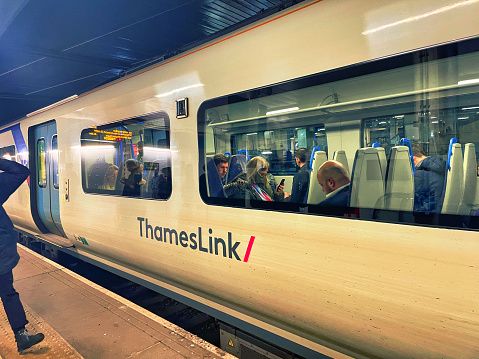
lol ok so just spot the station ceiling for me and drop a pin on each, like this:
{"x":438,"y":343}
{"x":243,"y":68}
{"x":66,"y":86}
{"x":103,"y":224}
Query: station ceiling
{"x":53,"y":49}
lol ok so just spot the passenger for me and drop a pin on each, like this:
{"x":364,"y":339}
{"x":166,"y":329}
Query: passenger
{"x":256,"y":183}
{"x":299,"y":192}
{"x":429,"y":179}
{"x":221,"y":163}
{"x":335,"y":183}
{"x":111,"y":174}
{"x":135,"y":180}
{"x":161,"y":183}
{"x":96,"y":174}
{"x":11,"y":178}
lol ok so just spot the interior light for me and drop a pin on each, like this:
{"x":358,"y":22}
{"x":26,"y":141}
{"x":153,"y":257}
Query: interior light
{"x":382,"y":122}
{"x":284,"y":110}
{"x":433,"y":117}
{"x":470,"y":108}
{"x":266,"y":153}
{"x":468,"y":82}
{"x":434,"y":121}
{"x":463,"y":118}
{"x":399,"y":117}
{"x":252,"y":134}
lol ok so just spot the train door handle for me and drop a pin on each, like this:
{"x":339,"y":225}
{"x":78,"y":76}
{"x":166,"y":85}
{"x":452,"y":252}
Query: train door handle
{"x":67,"y":190}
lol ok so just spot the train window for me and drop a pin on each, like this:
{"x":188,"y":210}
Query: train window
{"x":393,"y":140}
{"x":41,"y":163}
{"x":54,"y":157}
{"x":128,"y":158}
{"x":8,"y":153}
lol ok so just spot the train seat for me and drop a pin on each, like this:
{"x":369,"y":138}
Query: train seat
{"x":237,"y":167}
{"x":340,"y":156}
{"x":382,"y":161}
{"x":399,"y":189}
{"x":367,"y":181}
{"x":215,"y":187}
{"x":315,"y":193}
{"x":454,"y":180}
{"x":470,"y":179}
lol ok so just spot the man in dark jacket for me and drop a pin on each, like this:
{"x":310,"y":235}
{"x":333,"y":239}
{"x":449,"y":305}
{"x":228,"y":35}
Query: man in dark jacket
{"x":11,"y":178}
{"x":335,"y":183}
{"x":429,"y":180}
{"x":299,"y":190}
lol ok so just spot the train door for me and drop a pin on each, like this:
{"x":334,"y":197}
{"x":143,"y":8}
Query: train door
{"x":46,"y":177}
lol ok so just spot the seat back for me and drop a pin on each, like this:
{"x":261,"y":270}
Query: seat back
{"x":340,"y":156}
{"x":311,"y":157}
{"x":382,"y":161}
{"x":367,"y":182}
{"x":215,"y":187}
{"x":399,"y":190}
{"x":315,"y":193}
{"x":470,"y":179}
{"x":237,"y":166}
{"x":454,"y":181}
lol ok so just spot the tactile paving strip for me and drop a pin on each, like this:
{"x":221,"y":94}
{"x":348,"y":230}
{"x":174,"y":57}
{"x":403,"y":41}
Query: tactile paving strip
{"x":53,"y":346}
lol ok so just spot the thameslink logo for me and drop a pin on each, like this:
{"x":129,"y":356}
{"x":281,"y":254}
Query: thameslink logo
{"x":195,"y":241}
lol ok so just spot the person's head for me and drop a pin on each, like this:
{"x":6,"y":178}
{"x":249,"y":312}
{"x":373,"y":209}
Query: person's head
{"x":221,"y":163}
{"x":301,"y":156}
{"x":331,"y":176}
{"x":418,"y":153}
{"x":111,"y":174}
{"x":133,"y":165}
{"x":256,"y":169}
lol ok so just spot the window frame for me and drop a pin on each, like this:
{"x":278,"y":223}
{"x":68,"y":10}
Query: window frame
{"x":394,"y":61}
{"x":42,"y":184}
{"x":139,"y":118}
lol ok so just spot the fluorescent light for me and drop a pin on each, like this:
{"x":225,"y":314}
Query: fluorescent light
{"x":58,"y":103}
{"x":420,"y":17}
{"x":266,"y":153}
{"x":470,"y":108}
{"x":434,"y":121}
{"x":399,"y":117}
{"x":382,"y":122}
{"x":252,"y":134}
{"x":284,"y":110}
{"x":98,"y":148}
{"x":432,"y":117}
{"x":463,"y":118}
{"x":468,"y":82}
{"x":175,"y":91}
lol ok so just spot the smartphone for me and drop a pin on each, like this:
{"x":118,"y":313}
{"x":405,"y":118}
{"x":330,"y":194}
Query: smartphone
{"x":281,"y":184}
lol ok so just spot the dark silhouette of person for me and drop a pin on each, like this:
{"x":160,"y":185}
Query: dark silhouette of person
{"x":299,"y":190}
{"x":13,"y":175}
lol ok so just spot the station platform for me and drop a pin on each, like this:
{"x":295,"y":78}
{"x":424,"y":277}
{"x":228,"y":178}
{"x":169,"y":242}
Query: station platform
{"x":83,"y":320}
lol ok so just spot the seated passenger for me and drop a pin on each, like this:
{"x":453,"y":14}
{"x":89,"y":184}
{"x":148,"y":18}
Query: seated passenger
{"x":109,"y":181}
{"x":135,"y":180}
{"x":335,"y":183}
{"x":161,"y":183}
{"x":299,"y":191}
{"x":429,"y":179}
{"x":221,"y":163}
{"x":256,"y":183}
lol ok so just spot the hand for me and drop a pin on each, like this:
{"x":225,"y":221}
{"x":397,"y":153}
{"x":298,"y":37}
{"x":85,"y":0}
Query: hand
{"x":287,"y":194}
{"x":280,"y":188}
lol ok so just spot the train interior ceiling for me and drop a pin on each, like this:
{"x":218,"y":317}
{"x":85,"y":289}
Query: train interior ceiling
{"x":429,"y":103}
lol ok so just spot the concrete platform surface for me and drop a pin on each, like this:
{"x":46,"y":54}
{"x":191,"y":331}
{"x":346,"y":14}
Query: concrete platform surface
{"x":81,"y":319}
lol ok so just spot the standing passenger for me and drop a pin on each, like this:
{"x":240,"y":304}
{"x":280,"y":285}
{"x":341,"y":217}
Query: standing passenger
{"x":299,"y":191}
{"x":135,"y":180}
{"x":11,"y":178}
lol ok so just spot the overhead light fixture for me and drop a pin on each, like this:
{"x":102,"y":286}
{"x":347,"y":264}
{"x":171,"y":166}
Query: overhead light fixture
{"x":58,"y":103}
{"x":399,"y":117}
{"x":463,"y":118}
{"x":178,"y":90}
{"x":382,"y":122}
{"x":434,"y":121}
{"x":266,"y":153}
{"x":252,"y":134}
{"x":284,"y":110}
{"x":468,"y":82}
{"x":421,"y":16}
{"x":470,"y":108}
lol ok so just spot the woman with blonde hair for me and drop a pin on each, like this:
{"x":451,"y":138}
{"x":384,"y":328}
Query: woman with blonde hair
{"x":256,"y":183}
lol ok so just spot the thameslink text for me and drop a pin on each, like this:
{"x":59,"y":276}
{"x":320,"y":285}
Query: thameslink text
{"x":194,"y":240}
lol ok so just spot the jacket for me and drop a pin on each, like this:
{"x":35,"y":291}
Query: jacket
{"x":337,"y":204}
{"x":241,"y":189}
{"x":299,"y":190}
{"x":429,"y":179}
{"x":11,"y":178}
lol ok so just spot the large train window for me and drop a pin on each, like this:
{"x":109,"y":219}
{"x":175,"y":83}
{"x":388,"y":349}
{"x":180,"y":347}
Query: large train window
{"x":391,"y":140}
{"x":128,"y":158}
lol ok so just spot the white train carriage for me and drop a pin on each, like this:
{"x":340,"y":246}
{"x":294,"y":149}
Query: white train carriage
{"x":348,"y":78}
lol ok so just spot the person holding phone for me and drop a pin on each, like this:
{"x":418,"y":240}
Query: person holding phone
{"x":299,"y":191}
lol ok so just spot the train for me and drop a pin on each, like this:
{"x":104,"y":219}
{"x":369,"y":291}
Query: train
{"x":350,"y":78}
